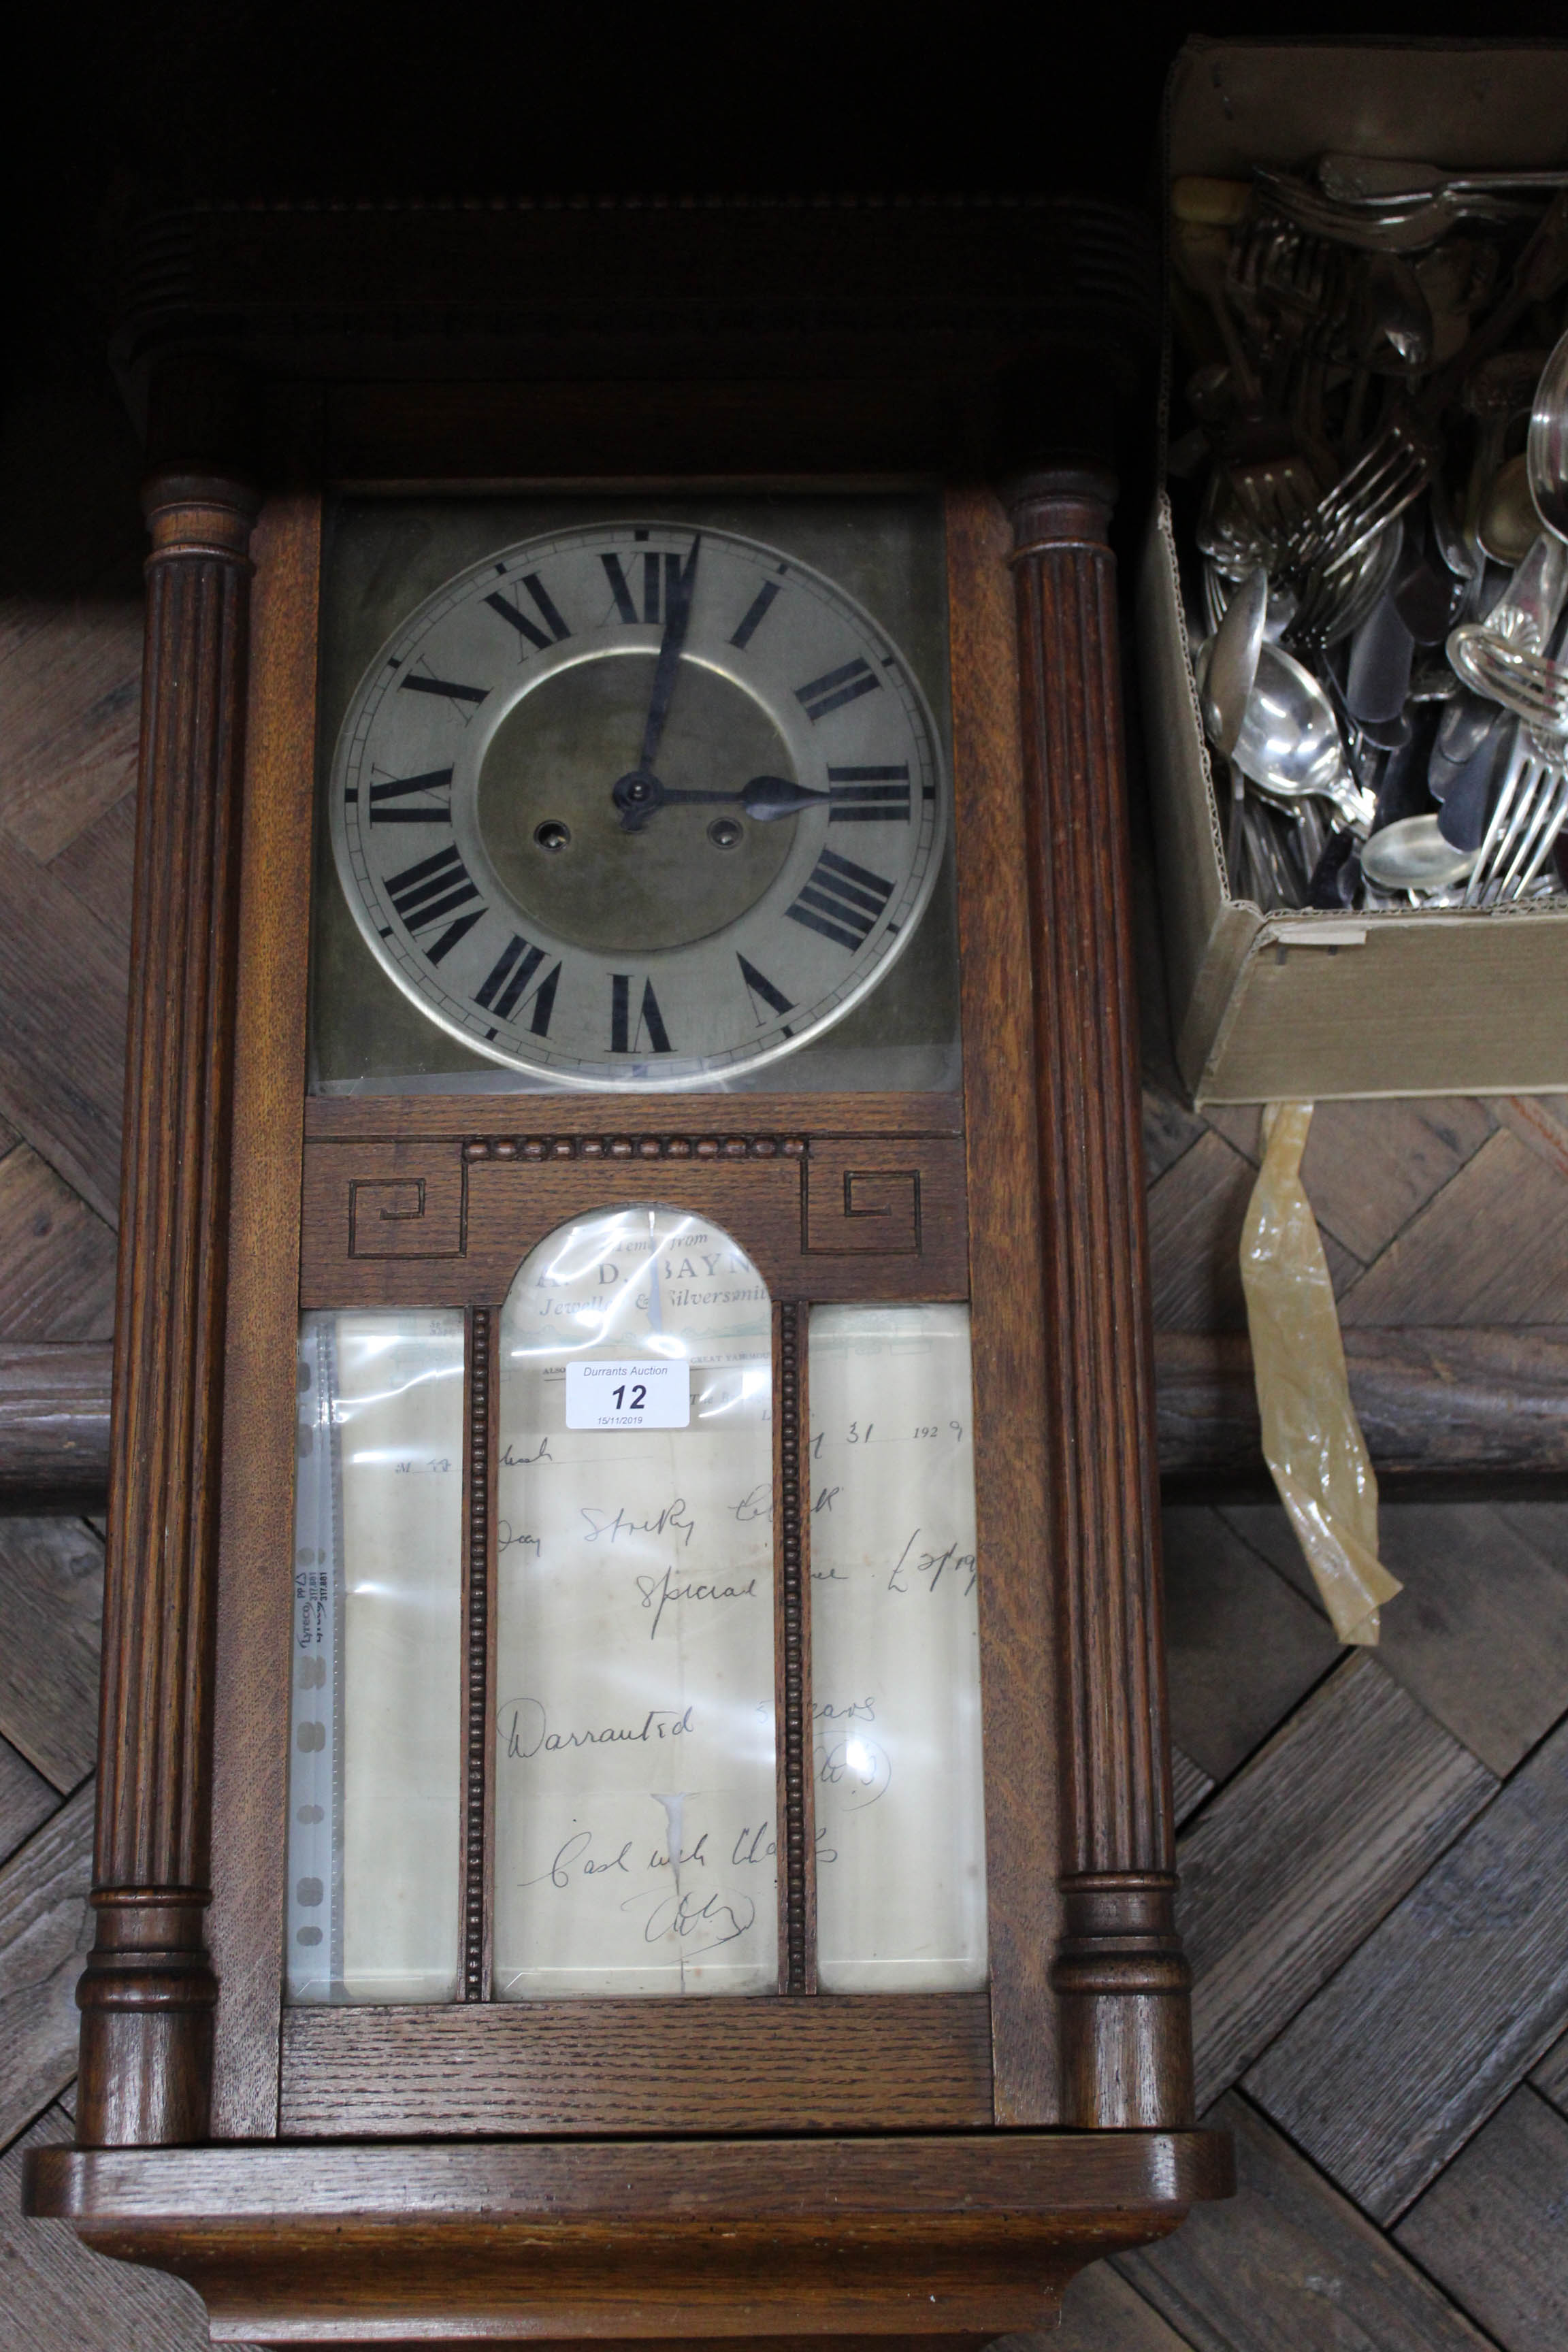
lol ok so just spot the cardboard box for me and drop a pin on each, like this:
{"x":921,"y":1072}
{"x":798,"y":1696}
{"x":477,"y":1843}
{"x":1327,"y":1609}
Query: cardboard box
{"x":1307,"y":1006}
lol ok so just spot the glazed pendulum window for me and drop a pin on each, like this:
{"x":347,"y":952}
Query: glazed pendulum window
{"x":897,"y":1782}
{"x":635,"y":1703}
{"x":375,"y":1764}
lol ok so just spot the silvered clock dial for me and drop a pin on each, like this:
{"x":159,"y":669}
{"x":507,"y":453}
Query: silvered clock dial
{"x":638,"y":804}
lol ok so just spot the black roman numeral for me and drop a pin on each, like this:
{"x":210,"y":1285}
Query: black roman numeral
{"x":841,"y":900}
{"x":758,"y":984}
{"x":518,"y":619}
{"x":506,"y":985}
{"x":623,"y":1040}
{"x":429,"y":892}
{"x":660,"y":580}
{"x":868,"y":795}
{"x":415,"y":684}
{"x":838,"y":687}
{"x":438,"y":780}
{"x":755,"y":612}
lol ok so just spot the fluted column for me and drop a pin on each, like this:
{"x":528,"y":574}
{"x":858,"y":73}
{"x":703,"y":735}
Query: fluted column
{"x":148,"y":1991}
{"x":1118,"y":1973}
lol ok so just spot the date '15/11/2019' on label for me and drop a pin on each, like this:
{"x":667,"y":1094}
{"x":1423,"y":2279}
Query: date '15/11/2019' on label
{"x":629,"y":1396}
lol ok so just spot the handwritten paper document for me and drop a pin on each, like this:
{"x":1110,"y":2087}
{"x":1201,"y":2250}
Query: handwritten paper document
{"x":895,"y":1648}
{"x":634,"y":1760}
{"x":373,"y":1752}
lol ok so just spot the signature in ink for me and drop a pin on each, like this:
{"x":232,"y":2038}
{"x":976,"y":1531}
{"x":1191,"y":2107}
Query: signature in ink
{"x":933,"y":1566}
{"x":857,"y":1769}
{"x":698,"y":1925}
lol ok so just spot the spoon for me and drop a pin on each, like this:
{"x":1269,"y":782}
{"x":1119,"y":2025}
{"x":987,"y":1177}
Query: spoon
{"x":1546,"y":452}
{"x":1233,"y":661}
{"x":1412,"y":854}
{"x":1290,"y":739}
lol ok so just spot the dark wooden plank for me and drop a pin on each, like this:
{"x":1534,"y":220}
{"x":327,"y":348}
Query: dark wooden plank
{"x":1300,"y":1855}
{"x":51,"y":1601}
{"x":1242,"y":1648}
{"x":1493,"y":1246}
{"x":1491,"y":2229}
{"x":1437,"y":1403}
{"x":25,"y":1800}
{"x":57,"y":1259}
{"x":99,"y":865}
{"x":1169,"y":1130}
{"x":1101,"y":2313}
{"x":1196,"y":1210}
{"x":1550,"y":2077}
{"x":1370,"y":1167}
{"x":1190,"y":1784}
{"x":54,"y":1426}
{"x":1288,"y":2267}
{"x":62,"y":1038}
{"x":60,"y":2298}
{"x":1196,"y":1213}
{"x":70,"y":679}
{"x":45,"y":1930}
{"x":1445,"y":2008}
{"x":1479,"y":1634}
{"x":921,"y":2062}
{"x":1538,"y":1123}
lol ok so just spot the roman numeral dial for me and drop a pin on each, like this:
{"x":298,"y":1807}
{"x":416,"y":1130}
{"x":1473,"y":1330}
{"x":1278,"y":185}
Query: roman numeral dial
{"x":644,"y":803}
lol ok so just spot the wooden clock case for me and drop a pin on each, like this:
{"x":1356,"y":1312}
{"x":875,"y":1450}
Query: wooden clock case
{"x":766,"y":2169}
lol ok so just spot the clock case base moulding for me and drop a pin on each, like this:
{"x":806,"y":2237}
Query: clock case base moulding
{"x":786,"y":346}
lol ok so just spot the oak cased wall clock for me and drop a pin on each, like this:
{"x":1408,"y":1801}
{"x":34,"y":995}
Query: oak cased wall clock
{"x":635,"y":1794}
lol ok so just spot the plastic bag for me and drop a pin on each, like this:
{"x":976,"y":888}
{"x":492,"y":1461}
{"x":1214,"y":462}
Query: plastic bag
{"x":1312,"y":1438}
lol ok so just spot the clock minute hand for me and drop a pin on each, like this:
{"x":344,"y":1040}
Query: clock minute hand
{"x":676,"y":618}
{"x":764,"y":798}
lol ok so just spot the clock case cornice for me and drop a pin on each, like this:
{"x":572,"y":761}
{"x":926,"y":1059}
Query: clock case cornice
{"x":270,"y":352}
{"x":945,"y":333}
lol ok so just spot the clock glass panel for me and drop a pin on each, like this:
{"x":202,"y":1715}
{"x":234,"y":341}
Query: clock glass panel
{"x":635,"y":794}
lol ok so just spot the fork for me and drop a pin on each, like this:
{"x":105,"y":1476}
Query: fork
{"x":1530,"y":684}
{"x":1530,"y":813}
{"x":1381,"y":227}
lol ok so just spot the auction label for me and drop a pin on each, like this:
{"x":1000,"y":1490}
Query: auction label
{"x":646,"y":1395}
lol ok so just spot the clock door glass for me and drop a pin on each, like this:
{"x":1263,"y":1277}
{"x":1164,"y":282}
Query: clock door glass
{"x":375,"y":1761}
{"x":900,"y":1847}
{"x":634,"y":1737}
{"x":641,"y":798}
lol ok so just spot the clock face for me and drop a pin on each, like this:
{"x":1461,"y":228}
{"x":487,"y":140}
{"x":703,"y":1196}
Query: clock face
{"x":637,"y":804}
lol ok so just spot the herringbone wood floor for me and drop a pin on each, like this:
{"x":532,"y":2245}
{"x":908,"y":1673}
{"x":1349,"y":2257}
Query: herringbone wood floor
{"x":1374,"y":1846}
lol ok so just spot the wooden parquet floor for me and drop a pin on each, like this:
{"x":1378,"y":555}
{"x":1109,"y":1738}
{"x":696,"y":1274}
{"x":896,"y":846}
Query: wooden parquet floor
{"x":1374,"y":1845}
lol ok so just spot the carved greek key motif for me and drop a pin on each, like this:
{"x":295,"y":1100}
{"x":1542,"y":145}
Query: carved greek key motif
{"x":402,"y":1205}
{"x":855,"y":1203}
